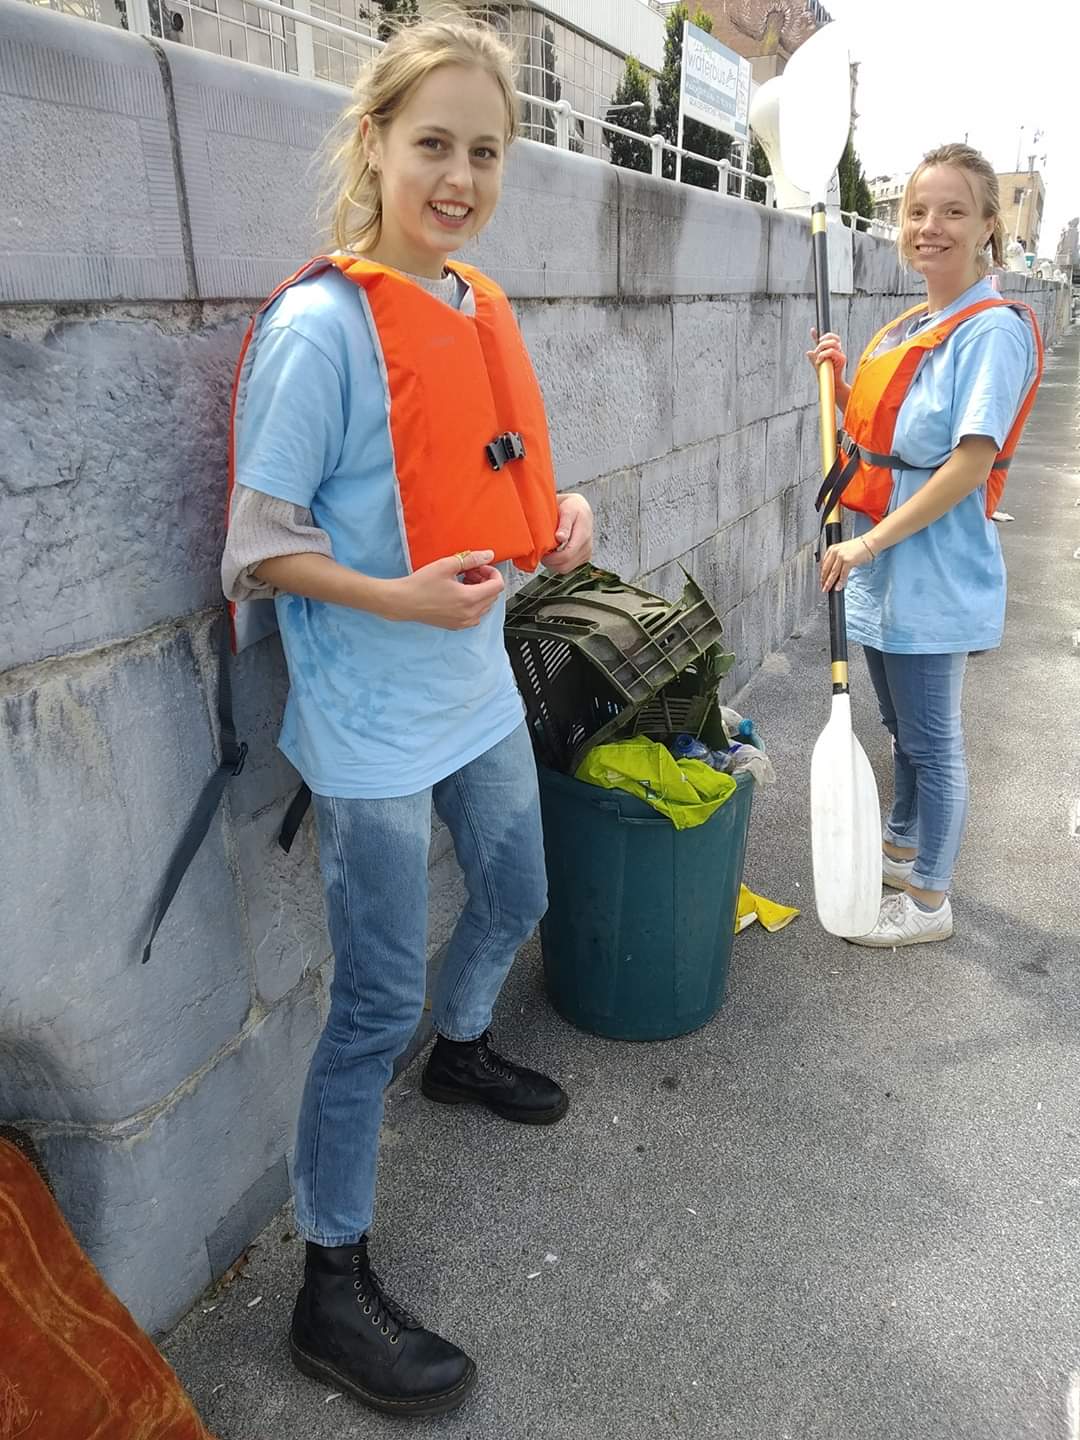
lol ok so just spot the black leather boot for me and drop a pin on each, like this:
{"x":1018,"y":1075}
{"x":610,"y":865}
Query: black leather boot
{"x":347,"y":1332}
{"x":464,"y":1072}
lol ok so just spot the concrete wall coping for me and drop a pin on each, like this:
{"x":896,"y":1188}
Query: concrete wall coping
{"x":208,"y":173}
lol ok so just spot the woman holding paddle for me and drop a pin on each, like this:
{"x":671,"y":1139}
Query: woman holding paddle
{"x":931,"y":420}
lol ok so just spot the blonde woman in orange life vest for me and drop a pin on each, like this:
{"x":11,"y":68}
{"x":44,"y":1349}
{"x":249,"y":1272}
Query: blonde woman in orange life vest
{"x":931,"y":421}
{"x":389,"y":451}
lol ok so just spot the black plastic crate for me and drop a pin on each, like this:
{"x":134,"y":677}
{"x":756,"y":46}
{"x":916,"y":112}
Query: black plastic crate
{"x":590,"y":653}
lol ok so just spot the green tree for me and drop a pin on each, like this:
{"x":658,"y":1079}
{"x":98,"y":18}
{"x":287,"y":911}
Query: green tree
{"x":759,"y":164}
{"x":854,"y":191}
{"x":701,"y":139}
{"x":396,"y":14}
{"x":634,"y":86}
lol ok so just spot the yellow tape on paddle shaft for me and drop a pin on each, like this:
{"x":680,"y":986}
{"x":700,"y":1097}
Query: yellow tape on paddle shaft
{"x":826,"y":391}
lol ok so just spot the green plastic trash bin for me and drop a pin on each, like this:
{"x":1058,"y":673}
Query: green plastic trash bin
{"x":641,"y":916}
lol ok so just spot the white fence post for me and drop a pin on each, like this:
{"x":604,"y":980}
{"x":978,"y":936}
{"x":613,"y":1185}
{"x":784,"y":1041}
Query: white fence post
{"x":657,"y":143}
{"x":562,"y":124}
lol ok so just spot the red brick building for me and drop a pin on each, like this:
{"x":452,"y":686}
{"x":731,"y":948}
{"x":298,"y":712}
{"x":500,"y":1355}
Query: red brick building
{"x":765,"y":31}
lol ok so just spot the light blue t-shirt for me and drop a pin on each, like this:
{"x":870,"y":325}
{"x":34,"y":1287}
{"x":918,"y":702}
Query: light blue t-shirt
{"x":376,"y":707}
{"x":942,"y":591}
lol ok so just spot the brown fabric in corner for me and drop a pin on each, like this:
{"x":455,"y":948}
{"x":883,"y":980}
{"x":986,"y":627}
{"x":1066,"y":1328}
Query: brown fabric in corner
{"x":73,"y":1363}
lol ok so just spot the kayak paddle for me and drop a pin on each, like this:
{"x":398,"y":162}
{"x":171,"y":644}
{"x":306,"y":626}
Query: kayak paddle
{"x":845,"y":819}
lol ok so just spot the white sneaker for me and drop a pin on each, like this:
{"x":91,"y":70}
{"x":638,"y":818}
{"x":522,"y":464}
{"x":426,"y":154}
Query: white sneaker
{"x":895,"y":873}
{"x":901,"y":922}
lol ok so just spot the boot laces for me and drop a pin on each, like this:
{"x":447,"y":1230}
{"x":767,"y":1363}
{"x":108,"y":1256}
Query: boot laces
{"x":381,"y":1309}
{"x":491,"y":1061}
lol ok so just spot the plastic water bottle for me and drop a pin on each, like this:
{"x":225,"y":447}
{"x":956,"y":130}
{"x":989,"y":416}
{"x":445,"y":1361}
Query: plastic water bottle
{"x":689,"y":747}
{"x":747,"y":732}
{"x":739,"y":728}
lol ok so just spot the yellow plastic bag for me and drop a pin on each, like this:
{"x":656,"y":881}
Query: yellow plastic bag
{"x":753,"y":907}
{"x":686,"y":791}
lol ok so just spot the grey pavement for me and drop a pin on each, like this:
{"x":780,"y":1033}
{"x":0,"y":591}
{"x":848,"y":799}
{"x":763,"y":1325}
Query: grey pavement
{"x":849,"y":1207}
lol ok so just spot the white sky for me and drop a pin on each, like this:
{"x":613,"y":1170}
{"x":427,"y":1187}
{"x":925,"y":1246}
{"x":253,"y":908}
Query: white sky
{"x":932,"y":70}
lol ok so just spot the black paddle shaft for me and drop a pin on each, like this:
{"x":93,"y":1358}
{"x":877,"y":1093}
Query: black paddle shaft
{"x":833,"y":533}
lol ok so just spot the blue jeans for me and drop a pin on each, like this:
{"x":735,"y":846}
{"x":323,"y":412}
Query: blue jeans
{"x":374,"y":858}
{"x":919,"y":697}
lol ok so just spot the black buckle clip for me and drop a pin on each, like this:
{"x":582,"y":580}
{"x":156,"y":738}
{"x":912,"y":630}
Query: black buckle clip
{"x":241,"y":757}
{"x":505,"y":448}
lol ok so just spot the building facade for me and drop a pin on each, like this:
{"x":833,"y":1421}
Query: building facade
{"x":887,"y":192}
{"x":1067,"y":256}
{"x":1023,"y":197}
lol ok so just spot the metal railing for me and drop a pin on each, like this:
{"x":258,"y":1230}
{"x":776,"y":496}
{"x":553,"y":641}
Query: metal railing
{"x":731,"y":178}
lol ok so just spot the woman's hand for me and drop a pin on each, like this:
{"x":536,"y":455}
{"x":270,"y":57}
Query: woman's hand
{"x":829,"y":347}
{"x":573,"y":535}
{"x":434,"y":595}
{"x":839,"y":560}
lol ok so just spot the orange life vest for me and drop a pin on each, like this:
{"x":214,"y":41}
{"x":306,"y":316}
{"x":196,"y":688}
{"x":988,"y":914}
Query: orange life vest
{"x":472,"y":457}
{"x":472,"y":464}
{"x":863,"y":477}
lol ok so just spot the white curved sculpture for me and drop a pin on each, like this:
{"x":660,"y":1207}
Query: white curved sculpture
{"x":764,"y":121}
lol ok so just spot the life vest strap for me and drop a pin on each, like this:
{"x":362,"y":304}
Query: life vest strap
{"x":294,"y":815}
{"x":871,"y":457}
{"x":835,"y":482}
{"x":894,"y":462}
{"x":233,"y":754}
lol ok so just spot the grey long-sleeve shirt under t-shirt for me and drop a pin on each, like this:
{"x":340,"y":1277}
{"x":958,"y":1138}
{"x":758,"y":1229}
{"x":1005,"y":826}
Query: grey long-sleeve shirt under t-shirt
{"x":262,"y":527}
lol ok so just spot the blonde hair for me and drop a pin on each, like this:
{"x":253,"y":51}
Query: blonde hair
{"x":968,"y":159}
{"x":382,"y":89}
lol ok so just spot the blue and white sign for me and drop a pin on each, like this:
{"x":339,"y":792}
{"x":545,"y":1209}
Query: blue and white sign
{"x":715,"y":83}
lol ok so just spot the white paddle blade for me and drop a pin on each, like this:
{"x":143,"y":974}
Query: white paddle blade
{"x":815,"y":110}
{"x":845,"y":828}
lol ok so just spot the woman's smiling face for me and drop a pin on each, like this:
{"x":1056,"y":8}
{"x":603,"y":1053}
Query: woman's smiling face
{"x":945,"y":230}
{"x":440,"y":167}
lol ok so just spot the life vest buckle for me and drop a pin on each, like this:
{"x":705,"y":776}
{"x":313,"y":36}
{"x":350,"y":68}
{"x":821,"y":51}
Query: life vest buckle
{"x":504,"y":448}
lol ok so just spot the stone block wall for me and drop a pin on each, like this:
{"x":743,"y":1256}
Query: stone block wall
{"x":152,"y":195}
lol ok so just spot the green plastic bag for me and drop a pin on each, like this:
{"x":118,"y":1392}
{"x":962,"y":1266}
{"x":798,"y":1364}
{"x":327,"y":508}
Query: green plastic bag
{"x":686,"y":791}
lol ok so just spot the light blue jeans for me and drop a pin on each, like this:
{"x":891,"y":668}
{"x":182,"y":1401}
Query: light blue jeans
{"x":374,"y":857}
{"x":919,"y":697}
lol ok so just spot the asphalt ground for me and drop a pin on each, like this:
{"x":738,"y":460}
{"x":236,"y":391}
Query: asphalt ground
{"x":847,"y":1208}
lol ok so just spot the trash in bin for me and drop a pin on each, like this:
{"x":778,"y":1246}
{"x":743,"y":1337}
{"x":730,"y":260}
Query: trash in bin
{"x":687,"y":791}
{"x":727,"y":759}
